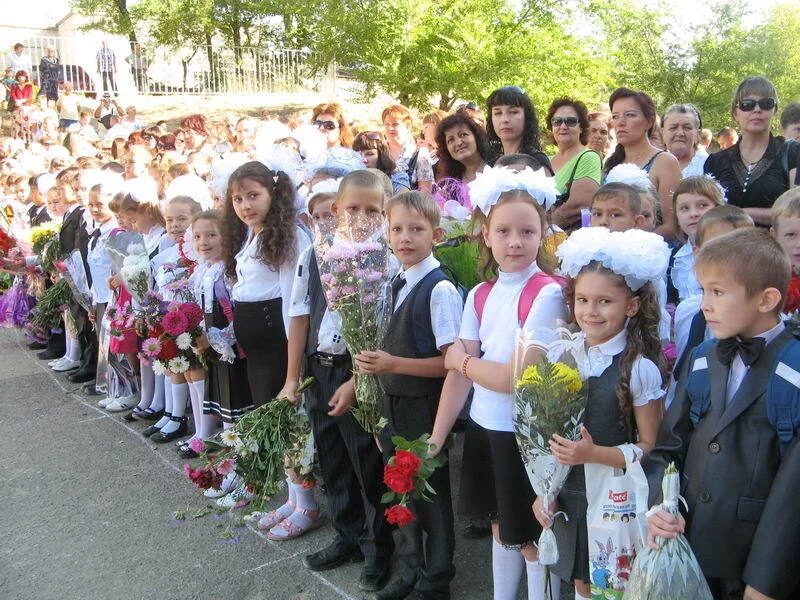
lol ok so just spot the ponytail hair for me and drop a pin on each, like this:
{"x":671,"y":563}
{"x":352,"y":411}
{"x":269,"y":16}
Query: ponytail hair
{"x":277,"y":240}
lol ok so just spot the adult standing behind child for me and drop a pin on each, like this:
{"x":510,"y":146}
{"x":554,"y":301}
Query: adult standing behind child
{"x":740,"y":467}
{"x":425,"y":321}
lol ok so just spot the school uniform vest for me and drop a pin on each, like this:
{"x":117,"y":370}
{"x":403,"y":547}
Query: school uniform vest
{"x":603,"y":419}
{"x":410,"y":335}
{"x":318,"y":303}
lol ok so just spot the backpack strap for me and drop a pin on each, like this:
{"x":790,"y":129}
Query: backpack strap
{"x":783,"y":395}
{"x":529,"y":293}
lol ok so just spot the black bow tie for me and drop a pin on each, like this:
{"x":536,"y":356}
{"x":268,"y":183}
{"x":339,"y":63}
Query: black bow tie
{"x":398,"y":284}
{"x":748,"y":349}
{"x":94,"y":237}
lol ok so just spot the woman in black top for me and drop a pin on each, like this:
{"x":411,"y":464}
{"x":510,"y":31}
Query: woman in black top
{"x":512,"y":127}
{"x":760,"y":166}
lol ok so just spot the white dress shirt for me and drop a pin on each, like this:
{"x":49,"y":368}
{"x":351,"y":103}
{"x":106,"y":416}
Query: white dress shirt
{"x":645,"y":383}
{"x":256,"y":282}
{"x":496,"y":332}
{"x":682,"y":274}
{"x":100,"y":263}
{"x":152,"y":238}
{"x":738,"y":369}
{"x":446,"y":305}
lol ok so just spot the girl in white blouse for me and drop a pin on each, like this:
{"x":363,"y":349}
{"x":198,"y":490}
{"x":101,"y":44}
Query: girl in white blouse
{"x":262,"y":243}
{"x":512,"y":237}
{"x":615,"y":304}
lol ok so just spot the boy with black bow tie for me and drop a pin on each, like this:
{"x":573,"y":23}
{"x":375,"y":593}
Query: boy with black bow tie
{"x":739,"y":460}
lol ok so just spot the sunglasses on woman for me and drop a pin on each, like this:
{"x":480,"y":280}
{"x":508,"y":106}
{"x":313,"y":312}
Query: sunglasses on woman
{"x":326,"y":125}
{"x":748,"y":104}
{"x":568,"y":121}
{"x":369,"y":135}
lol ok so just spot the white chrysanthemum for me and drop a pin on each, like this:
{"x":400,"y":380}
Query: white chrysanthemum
{"x":492,"y":182}
{"x":638,"y":256}
{"x":158,"y":367}
{"x":178,"y":364}
{"x":630,"y":174}
{"x":230,"y":438}
{"x":184,"y":341}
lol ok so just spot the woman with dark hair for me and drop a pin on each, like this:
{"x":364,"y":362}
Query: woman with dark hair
{"x":578,"y":169}
{"x":512,"y":127}
{"x":463,"y":147}
{"x":375,"y":152}
{"x":759,"y":167}
{"x":634,"y":117}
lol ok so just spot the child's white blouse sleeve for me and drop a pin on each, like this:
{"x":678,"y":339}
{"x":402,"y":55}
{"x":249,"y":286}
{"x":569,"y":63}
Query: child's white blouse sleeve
{"x":470,"y":326}
{"x":446,"y":309}
{"x":548,"y":312}
{"x":288,"y":271}
{"x":300,"y":304}
{"x":646,"y":383}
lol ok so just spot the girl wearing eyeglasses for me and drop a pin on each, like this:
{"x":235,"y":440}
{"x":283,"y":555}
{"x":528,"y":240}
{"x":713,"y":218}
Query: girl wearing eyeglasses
{"x":633,"y":115}
{"x":329,"y":119}
{"x":578,"y":169}
{"x":759,"y":167}
{"x":375,"y":152}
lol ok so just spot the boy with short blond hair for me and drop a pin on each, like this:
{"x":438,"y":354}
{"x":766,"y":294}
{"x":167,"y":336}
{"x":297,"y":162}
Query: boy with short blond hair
{"x":426,"y":319}
{"x":740,"y":467}
{"x":786,"y":229}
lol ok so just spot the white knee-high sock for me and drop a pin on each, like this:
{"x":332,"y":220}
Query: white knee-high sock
{"x":507,"y":566}
{"x":73,"y":349}
{"x":197,"y":409}
{"x":304,"y":497}
{"x":158,"y":394}
{"x":167,"y":404}
{"x":180,"y":392}
{"x":148,"y":386}
{"x":536,"y":582}
{"x":208,"y":422}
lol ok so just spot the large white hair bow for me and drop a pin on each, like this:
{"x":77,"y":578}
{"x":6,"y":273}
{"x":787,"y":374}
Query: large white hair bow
{"x":492,"y":182}
{"x":636,"y":255}
{"x":630,"y":174}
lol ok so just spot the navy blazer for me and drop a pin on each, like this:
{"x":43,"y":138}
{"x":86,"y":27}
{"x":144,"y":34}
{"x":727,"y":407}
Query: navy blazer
{"x":743,"y":523}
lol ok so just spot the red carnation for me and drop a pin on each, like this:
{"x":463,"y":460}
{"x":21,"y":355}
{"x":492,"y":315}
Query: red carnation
{"x":155,"y":331}
{"x":169,"y":350}
{"x":204,"y":478}
{"x":193,"y":313}
{"x":399,"y":515}
{"x":175,"y":323}
{"x":397,"y":480}
{"x":407,"y":462}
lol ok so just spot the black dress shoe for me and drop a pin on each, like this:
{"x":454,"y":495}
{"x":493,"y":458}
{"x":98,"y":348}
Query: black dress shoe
{"x":49,"y":354}
{"x":80,"y":376}
{"x":37,"y":346}
{"x":420,"y":595}
{"x":374,"y":575}
{"x":186,"y":452}
{"x":90,"y":389}
{"x":129,"y":416}
{"x":162,"y":438}
{"x":332,"y":556}
{"x":148,"y":415}
{"x":153,"y":429}
{"x":397,"y":589}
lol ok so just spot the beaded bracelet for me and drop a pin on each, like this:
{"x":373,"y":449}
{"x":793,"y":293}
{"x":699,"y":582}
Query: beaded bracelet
{"x":464,"y":365}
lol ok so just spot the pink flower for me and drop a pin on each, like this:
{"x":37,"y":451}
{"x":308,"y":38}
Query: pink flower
{"x":197,"y":445}
{"x":175,"y":323}
{"x":173,"y":306}
{"x":151,"y":347}
{"x":188,"y":470}
{"x":193,"y":312}
{"x":225,"y":466}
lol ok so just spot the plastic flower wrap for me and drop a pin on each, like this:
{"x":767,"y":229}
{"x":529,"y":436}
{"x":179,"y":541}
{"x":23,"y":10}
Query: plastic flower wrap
{"x":549,"y":398}
{"x":131,"y":261}
{"x":672,"y":571}
{"x":261,"y":446}
{"x":71,"y":269}
{"x":452,"y":196}
{"x":354,"y":266}
{"x":406,"y":475}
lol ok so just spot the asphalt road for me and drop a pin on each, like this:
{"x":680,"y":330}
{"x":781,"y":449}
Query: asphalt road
{"x":88,"y":512}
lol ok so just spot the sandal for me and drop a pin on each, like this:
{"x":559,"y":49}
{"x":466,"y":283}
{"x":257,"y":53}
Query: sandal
{"x":287,"y":530}
{"x":270,"y":519}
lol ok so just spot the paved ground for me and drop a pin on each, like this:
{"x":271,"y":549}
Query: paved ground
{"x":87,"y":512}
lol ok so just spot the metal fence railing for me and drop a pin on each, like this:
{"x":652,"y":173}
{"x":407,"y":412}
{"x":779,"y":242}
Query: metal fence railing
{"x":195,"y":70}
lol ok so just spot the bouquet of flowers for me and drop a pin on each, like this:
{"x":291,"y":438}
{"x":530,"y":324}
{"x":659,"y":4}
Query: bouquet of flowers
{"x":121,"y":319}
{"x":260,"y":447}
{"x":170,"y":346}
{"x":130,"y":259}
{"x":406,"y":475}
{"x":354,"y":267}
{"x":46,"y":315}
{"x":72,"y":270}
{"x":43,"y":234}
{"x":7,"y":242}
{"x":671,"y":571}
{"x":549,"y":398}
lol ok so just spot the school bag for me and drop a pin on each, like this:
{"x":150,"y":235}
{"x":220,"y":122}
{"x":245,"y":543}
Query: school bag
{"x":529,"y":293}
{"x":783,"y":390}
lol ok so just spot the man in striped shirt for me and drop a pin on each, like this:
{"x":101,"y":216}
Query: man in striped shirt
{"x":107,"y":66}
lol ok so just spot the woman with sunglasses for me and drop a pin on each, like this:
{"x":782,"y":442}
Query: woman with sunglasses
{"x":375,"y":152}
{"x":634,"y":117}
{"x":512,"y":127}
{"x":578,"y":168}
{"x":329,"y":120}
{"x":759,"y":167}
{"x":680,"y":129}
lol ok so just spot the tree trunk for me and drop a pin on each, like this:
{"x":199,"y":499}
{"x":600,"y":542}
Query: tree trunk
{"x":446,"y":101}
{"x":122,"y":5}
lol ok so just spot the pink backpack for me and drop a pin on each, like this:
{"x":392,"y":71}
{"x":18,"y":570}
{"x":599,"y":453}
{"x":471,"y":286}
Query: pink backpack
{"x":529,"y":293}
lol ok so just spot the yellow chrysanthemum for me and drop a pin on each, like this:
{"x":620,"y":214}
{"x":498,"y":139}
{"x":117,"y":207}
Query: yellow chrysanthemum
{"x":568,"y":377}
